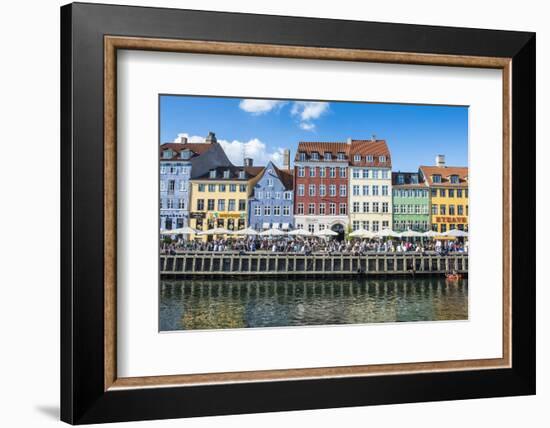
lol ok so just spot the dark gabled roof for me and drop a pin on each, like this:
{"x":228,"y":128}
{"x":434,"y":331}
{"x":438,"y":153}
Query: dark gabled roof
{"x":251,"y":172}
{"x":407,"y":179}
{"x":196,"y":149}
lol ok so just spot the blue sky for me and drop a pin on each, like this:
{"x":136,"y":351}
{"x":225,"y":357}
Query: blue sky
{"x":262,"y":129}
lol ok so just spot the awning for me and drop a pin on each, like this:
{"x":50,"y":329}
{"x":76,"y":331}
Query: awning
{"x":275,"y":225}
{"x":286,"y":226}
{"x":265,"y":226}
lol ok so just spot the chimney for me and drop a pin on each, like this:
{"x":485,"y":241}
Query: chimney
{"x":286,"y":159}
{"x":373,"y":137}
{"x":183,"y":140}
{"x":248,"y":162}
{"x":349,"y":140}
{"x":440,"y":160}
{"x":211,"y":138}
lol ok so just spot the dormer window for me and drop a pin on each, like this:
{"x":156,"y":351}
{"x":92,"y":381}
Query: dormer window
{"x":436,"y":178}
{"x":400,"y":179}
{"x":315,"y":156}
{"x":212,"y":173}
{"x":341,"y":156}
{"x":454,"y":179}
{"x":357,"y":158}
{"x":185,"y":154}
{"x":302,"y":156}
{"x":242,"y":174}
{"x":226,"y":174}
{"x":167,"y":154}
{"x":382,"y":159}
{"x":369,"y":158}
{"x":414,"y":179}
{"x":328,"y":156}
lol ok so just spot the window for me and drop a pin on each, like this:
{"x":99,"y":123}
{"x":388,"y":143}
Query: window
{"x":355,"y":207}
{"x":375,"y":207}
{"x":286,"y":210}
{"x":311,"y":209}
{"x":434,"y":192}
{"x":417,"y":209}
{"x":343,"y":172}
{"x":212,"y":173}
{"x":332,"y":172}
{"x":385,"y":174}
{"x":181,"y":204}
{"x":211,"y":203}
{"x":436,"y":178}
{"x":451,"y":210}
{"x":343,"y":190}
{"x":287,"y":196}
{"x":322,"y":190}
{"x":375,"y":226}
{"x":341,"y":156}
{"x":459,"y":193}
{"x":332,"y":208}
{"x":162,"y":170}
{"x":268,"y":195}
{"x":365,"y":190}
{"x":167,"y":154}
{"x":200,"y":204}
{"x":171,"y":186}
{"x":366,"y":225}
{"x":332,"y":190}
{"x":170,"y":204}
{"x":231,"y":205}
{"x":302,"y":156}
{"x":366,"y":173}
{"x":355,"y":225}
{"x":163,"y":186}
{"x":211,"y":187}
{"x":343,"y":209}
{"x":232,"y":187}
{"x":375,"y":173}
{"x":277,"y":210}
{"x":357,"y":158}
{"x":183,"y":185}
{"x":221,"y":204}
{"x":322,"y":209}
{"x":442,"y":193}
{"x":369,"y":158}
{"x":301,"y":171}
{"x":355,"y":172}
{"x":312,"y":171}
{"x":242,"y":175}
{"x":414,"y":179}
{"x":328,"y":156}
{"x":374,"y":190}
{"x":161,"y":204}
{"x":300,"y":208}
{"x":454,"y":179}
{"x":384,"y":190}
{"x":315,"y":156}
{"x":242,"y":204}
{"x":434,"y":209}
{"x":260,"y":195}
{"x":355,"y":190}
{"x":270,"y":182}
{"x":300,"y":190}
{"x":400,"y":179}
{"x":382,"y":159}
{"x":443,"y":228}
{"x":257,"y":210}
{"x":277,"y":195}
{"x":222,"y":188}
{"x":460,"y":210}
{"x":385,"y":207}
{"x":225,"y":174}
{"x":442,"y":209}
{"x":451,"y":193}
{"x":267,"y":210}
{"x":242,"y":187}
{"x":311,"y":190}
{"x":366,"y":206}
{"x":322,"y":171}
{"x":311,"y":228}
{"x":201,"y":187}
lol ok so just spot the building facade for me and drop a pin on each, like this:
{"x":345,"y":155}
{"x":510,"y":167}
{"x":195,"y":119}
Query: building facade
{"x":448,"y":187}
{"x":321,"y":187}
{"x":219,"y":198}
{"x":271,"y":204}
{"x":370,"y":196}
{"x":179,"y":162}
{"x":411,"y":202}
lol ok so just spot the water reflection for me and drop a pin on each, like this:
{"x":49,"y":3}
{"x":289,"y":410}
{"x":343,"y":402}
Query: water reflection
{"x":221,"y":304}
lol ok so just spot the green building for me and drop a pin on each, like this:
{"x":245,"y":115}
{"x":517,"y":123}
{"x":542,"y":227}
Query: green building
{"x":411,"y":202}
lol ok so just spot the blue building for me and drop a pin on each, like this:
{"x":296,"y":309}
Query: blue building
{"x":180,"y":162}
{"x":271,"y":204}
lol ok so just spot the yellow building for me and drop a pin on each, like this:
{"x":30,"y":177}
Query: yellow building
{"x":219,"y":199}
{"x":448,"y":195}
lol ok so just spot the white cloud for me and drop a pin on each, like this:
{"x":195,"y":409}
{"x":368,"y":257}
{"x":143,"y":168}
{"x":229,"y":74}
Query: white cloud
{"x":307,"y":126}
{"x":309,"y":110}
{"x":236,"y":150}
{"x":257,"y":107}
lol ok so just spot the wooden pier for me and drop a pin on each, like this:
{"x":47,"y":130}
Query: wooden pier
{"x":201,"y":264}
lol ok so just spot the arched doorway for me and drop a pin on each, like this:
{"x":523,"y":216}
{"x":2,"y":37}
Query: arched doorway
{"x":338,"y":228}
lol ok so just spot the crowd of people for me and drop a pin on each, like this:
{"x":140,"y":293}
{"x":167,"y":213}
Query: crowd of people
{"x":314,"y":245}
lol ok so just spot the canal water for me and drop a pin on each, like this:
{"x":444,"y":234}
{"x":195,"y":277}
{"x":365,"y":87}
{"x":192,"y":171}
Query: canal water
{"x":247,"y":303}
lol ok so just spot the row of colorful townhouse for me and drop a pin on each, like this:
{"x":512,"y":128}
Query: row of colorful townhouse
{"x":337,"y":185}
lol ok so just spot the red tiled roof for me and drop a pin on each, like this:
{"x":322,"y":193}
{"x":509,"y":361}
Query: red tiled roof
{"x":286,"y":176}
{"x":195,"y":148}
{"x":375,"y":148}
{"x":445,"y":172}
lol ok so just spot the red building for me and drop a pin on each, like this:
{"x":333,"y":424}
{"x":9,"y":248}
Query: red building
{"x":321,"y":186}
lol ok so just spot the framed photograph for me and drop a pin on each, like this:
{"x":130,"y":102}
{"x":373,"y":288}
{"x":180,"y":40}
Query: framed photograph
{"x":267,"y":213}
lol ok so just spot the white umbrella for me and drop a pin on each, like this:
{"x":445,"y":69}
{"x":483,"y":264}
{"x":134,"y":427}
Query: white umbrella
{"x":272,"y":232}
{"x":456,"y":233}
{"x":248,"y":232}
{"x":387,"y":232}
{"x":361,"y":233}
{"x":431,"y":234}
{"x":180,"y":231}
{"x":299,"y":232}
{"x":326,"y":232}
{"x":409,"y":233}
{"x":215,"y":231}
